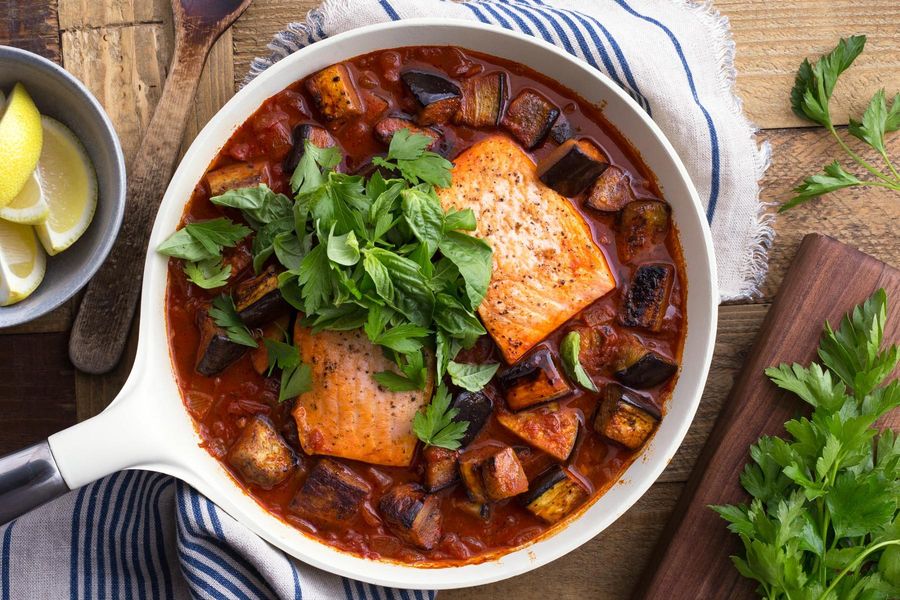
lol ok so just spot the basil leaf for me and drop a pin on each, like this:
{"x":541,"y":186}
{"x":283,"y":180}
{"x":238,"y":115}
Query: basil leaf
{"x":471,"y":377}
{"x":472,"y":257}
{"x":569,"y":350}
{"x":460,"y":220}
{"x":343,"y":249}
{"x":183,"y":245}
{"x":425,"y":217}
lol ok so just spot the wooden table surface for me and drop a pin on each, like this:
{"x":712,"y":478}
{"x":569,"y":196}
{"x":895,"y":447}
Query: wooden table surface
{"x":121,"y":48}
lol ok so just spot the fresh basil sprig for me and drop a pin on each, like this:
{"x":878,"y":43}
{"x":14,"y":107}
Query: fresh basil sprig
{"x":810,"y":99}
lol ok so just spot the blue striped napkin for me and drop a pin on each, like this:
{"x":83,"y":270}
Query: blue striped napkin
{"x":145,"y":535}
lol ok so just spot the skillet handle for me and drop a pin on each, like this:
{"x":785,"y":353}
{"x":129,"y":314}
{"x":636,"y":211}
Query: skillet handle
{"x":28,"y":478}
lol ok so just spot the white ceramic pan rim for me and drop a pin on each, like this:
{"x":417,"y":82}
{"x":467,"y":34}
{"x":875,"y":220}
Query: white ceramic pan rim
{"x":147,"y":426}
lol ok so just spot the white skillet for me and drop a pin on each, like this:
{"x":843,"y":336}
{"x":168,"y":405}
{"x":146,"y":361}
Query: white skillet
{"x":147,"y":427}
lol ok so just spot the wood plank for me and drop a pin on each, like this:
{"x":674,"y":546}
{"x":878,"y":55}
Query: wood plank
{"x":256,"y":28}
{"x":215,"y":89}
{"x":865,"y":218}
{"x":56,"y":321}
{"x":37,"y":387}
{"x":33,"y":26}
{"x":607,"y":567}
{"x":773,"y":38}
{"x":814,"y":291}
{"x":74,"y":14}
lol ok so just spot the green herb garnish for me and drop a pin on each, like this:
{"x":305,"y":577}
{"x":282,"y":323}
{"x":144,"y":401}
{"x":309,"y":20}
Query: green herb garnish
{"x":810,"y":99}
{"x":296,"y":376}
{"x":435,"y":426}
{"x":824,"y":522}
{"x":225,"y":316}
{"x":569,"y":350}
{"x":471,"y":377}
{"x":200,"y":245}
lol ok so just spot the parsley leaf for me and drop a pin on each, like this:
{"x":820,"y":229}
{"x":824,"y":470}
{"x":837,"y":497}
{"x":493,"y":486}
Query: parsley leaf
{"x":407,"y":155}
{"x":203,"y":240}
{"x":810,"y":99}
{"x":471,"y":377}
{"x":225,"y":315}
{"x":824,"y":519}
{"x":296,"y":376}
{"x":570,"y":350}
{"x":209,"y":273}
{"x":434,"y":425}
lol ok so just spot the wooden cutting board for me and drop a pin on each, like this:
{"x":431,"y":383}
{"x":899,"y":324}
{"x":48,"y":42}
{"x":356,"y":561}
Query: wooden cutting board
{"x":826,"y":279}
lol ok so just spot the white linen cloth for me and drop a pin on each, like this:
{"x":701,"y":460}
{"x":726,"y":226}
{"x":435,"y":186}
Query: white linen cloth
{"x":144,"y":535}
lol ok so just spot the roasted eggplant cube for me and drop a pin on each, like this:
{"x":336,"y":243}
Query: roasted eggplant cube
{"x":611,"y":191}
{"x":529,"y":118}
{"x":259,"y":301}
{"x":441,"y":468}
{"x":625,"y":417}
{"x":483,"y":100}
{"x":647,"y":297}
{"x":334,"y":93}
{"x":554,"y":494}
{"x":304,"y":132}
{"x":640,"y":368}
{"x":260,"y":455}
{"x":215,"y":351}
{"x":470,"y":464}
{"x":386,"y":128}
{"x":413,"y":515}
{"x":478,"y":510}
{"x":239,"y":175}
{"x":642,"y":224}
{"x":332,"y":493}
{"x":572,"y":167}
{"x":475,"y":408}
{"x":548,"y":428}
{"x":534,"y":379}
{"x":561,"y":130}
{"x":503,"y":475}
{"x":440,"y":98}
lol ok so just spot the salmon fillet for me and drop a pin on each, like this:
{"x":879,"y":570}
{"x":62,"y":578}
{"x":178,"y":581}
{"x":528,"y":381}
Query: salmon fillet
{"x":546,"y":265}
{"x":346,"y":413}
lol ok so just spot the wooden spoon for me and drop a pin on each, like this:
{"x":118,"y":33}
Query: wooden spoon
{"x":104,"y":318}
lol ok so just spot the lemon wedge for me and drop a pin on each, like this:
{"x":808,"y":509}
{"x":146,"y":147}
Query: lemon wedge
{"x":29,"y":206}
{"x":69,"y":186}
{"x":20,"y":143}
{"x":22,"y":262}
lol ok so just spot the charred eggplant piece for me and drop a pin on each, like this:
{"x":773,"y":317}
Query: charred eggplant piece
{"x":572,"y":167}
{"x":334,"y":93}
{"x":475,"y":408}
{"x":533,"y":380}
{"x":259,"y":301}
{"x":642,"y":224}
{"x":561,"y":130}
{"x":215,"y":351}
{"x":386,"y":128}
{"x":260,"y":455}
{"x":529,"y":118}
{"x":238,"y":175}
{"x":503,"y":475}
{"x":625,"y":417}
{"x":479,"y":510}
{"x":648,"y":296}
{"x":548,"y":428}
{"x":611,"y":191}
{"x":332,"y":493}
{"x":554,"y":495}
{"x":470,"y":464}
{"x":640,"y":368}
{"x":302,"y":133}
{"x":441,"y":468}
{"x":413,"y":515}
{"x":483,"y":99}
{"x":440,"y":98}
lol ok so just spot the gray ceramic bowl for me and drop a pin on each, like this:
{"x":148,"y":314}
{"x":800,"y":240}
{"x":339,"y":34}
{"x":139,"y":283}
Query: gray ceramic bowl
{"x":59,"y":95}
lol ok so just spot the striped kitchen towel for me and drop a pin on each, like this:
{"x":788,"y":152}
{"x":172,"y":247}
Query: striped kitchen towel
{"x":676,"y":58}
{"x":144,"y":535}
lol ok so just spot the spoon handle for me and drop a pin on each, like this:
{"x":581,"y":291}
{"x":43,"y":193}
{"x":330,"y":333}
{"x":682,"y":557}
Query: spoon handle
{"x":104,"y":317}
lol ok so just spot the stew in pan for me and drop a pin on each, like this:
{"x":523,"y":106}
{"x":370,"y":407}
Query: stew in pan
{"x":426,"y":305}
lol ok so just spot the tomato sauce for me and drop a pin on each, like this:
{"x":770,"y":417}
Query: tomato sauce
{"x":221,"y":405}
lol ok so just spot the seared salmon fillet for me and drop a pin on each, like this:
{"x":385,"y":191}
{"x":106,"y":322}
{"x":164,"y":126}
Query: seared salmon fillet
{"x":346,"y":413}
{"x":546,"y":265}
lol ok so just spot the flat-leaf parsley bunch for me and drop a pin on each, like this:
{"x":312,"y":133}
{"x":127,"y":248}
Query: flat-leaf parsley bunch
{"x":810,"y":99}
{"x":823,"y":522}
